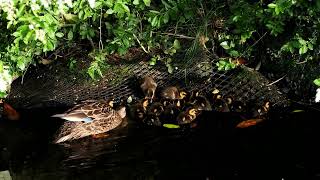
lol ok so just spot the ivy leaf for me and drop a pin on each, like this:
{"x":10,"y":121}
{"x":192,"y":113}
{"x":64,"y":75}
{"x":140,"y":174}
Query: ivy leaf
{"x":59,"y":34}
{"x":225,"y":45}
{"x":109,"y":11}
{"x":176,"y":44}
{"x":234,"y":53}
{"x":166,"y":18}
{"x":303,"y":49}
{"x":317,"y":82}
{"x":170,"y":68}
{"x":135,"y":2}
{"x":154,"y":21}
{"x":272,"y":5}
{"x":147,"y":2}
{"x":70,"y":35}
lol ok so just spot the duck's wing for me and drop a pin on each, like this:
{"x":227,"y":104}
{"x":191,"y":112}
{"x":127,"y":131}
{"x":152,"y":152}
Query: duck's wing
{"x":87,"y":111}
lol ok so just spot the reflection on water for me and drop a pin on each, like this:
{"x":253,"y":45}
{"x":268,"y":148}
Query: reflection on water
{"x":283,"y":147}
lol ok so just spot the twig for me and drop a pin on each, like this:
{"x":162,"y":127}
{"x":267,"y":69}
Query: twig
{"x":100,"y":32}
{"x":24,"y":73}
{"x":302,"y":62}
{"x":144,"y":49}
{"x":178,"y":35}
{"x":276,"y":80}
{"x":254,"y":43}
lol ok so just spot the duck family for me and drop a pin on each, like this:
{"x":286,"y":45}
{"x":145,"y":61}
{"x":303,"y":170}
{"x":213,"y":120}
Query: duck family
{"x":169,"y":107}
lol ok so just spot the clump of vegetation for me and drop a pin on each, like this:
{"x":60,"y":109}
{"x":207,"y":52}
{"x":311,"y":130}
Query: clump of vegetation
{"x":31,"y":29}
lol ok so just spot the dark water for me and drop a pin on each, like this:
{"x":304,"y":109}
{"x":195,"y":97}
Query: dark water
{"x":284,"y":147}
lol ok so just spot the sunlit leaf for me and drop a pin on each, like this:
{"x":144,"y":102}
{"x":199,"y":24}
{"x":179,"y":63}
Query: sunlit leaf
{"x":272,"y":5}
{"x":176,"y":44}
{"x":135,"y":2}
{"x":70,"y":35}
{"x":225,"y":45}
{"x":59,"y":34}
{"x":171,"y":126}
{"x":317,"y":82}
{"x":147,"y":2}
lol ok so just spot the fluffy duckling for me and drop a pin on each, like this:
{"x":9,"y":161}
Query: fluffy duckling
{"x":149,"y":87}
{"x":171,"y":93}
{"x":89,"y":118}
{"x":138,"y":111}
{"x":202,"y":103}
{"x":261,"y":111}
{"x":218,"y":103}
{"x":8,"y":111}
{"x":171,"y":111}
{"x":188,"y":115}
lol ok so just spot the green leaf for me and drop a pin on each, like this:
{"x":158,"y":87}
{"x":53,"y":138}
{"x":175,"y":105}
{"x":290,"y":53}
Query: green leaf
{"x":147,"y":2}
{"x":135,"y":2}
{"x":317,"y":82}
{"x":59,"y":34}
{"x":154,"y":21}
{"x":224,"y":44}
{"x":70,"y":35}
{"x":28,"y":36}
{"x":310,"y":46}
{"x":234,"y":53}
{"x":110,"y":11}
{"x":166,"y":18}
{"x":1,"y":66}
{"x":170,"y":68}
{"x":303,"y":49}
{"x":176,"y":44}
{"x":171,"y":126}
{"x":272,"y":5}
{"x":21,"y":63}
{"x":21,"y":10}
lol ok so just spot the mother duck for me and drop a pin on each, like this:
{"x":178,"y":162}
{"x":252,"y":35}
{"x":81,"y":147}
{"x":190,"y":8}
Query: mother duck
{"x":90,"y":117}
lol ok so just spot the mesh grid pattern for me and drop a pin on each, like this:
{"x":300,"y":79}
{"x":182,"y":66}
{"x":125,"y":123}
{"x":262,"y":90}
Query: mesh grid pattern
{"x":56,"y":86}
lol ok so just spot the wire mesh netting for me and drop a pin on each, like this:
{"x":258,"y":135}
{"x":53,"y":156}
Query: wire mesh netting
{"x":56,"y":85}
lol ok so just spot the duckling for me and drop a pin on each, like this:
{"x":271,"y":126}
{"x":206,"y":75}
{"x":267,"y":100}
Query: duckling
{"x":138,"y":111}
{"x":149,"y":87}
{"x":188,"y":115}
{"x":218,"y":103}
{"x":155,"y":109}
{"x":171,"y":93}
{"x":171,"y":111}
{"x":8,"y":111}
{"x":235,"y":106}
{"x":259,"y":111}
{"x":98,"y":118}
{"x":202,"y":103}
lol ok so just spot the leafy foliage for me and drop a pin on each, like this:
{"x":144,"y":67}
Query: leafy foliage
{"x":33,"y":28}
